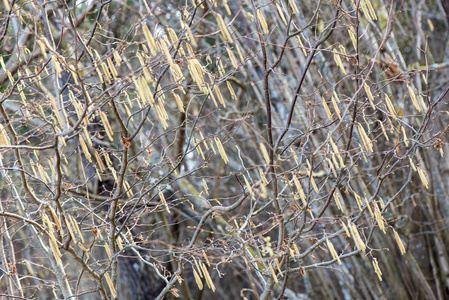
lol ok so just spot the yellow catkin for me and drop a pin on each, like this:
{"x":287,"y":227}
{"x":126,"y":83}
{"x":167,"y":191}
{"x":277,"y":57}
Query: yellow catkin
{"x":89,"y":100}
{"x":413,"y":97}
{"x":4,"y":139}
{"x":172,"y":34}
{"x":74,"y":74}
{"x":224,"y":30}
{"x":52,"y":239}
{"x":293,"y":6}
{"x":199,"y":283}
{"x":163,"y":111}
{"x":379,"y":218}
{"x":242,"y":59}
{"x":292,"y":253}
{"x":221,"y":150}
{"x":140,"y":57}
{"x":336,"y":96}
{"x":399,"y":242}
{"x":262,"y":21}
{"x":56,"y":219}
{"x":423,"y":177}
{"x":147,"y":7}
{"x":177,"y":74}
{"x":100,"y":75}
{"x":70,"y":228}
{"x":357,"y":239}
{"x":294,"y":156}
{"x":57,"y":65}
{"x":262,"y":176}
{"x":56,"y":111}
{"x":147,"y":93}
{"x":369,"y":207}
{"x":23,"y":97}
{"x":209,"y":281}
{"x":332,"y":251}
{"x":363,"y":153}
{"x":111,"y":286}
{"x":421,"y":102}
{"x":179,"y":102}
{"x":162,"y":197}
{"x":366,"y":140}
{"x":85,"y":149}
{"x":119,"y":243}
{"x":191,"y":37}
{"x":43,"y":174}
{"x":198,"y":148}
{"x":371,"y":9}
{"x":337,"y":201}
{"x":129,"y":191}
{"x":150,"y":39}
{"x":219,"y":96}
{"x":381,"y":203}
{"x":221,"y":68}
{"x":315,"y":187}
{"x":338,"y":61}
{"x":265,"y":153}
{"x":104,"y":67}
{"x":209,"y":92}
{"x":248,"y":185}
{"x":405,"y":139}
{"x":278,"y":266}
{"x":358,"y":200}
{"x":337,"y":110}
{"x":301,"y":45}
{"x":99,"y":161}
{"x":337,"y":152}
{"x":273,"y":273}
{"x":232,"y":58}
{"x":365,"y":10}
{"x":117,"y":58}
{"x":161,"y":117}
{"x":431,"y":27}
{"x":107,"y":125}
{"x":390,"y":107}
{"x":204,"y":141}
{"x":351,"y":32}
{"x":370,"y":96}
{"x":331,"y":166}
{"x":112,"y":67}
{"x":263,"y":191}
{"x":326,"y":109}
{"x":383,"y":130}
{"x":107,"y":159}
{"x":377,"y":269}
{"x":86,"y":134}
{"x":206,"y":188}
{"x":11,"y":78}
{"x":198,"y":267}
{"x":343,"y":51}
{"x":281,"y":13}
{"x":29,"y":267}
{"x":7,"y":6}
{"x":250,"y":16}
{"x":2,"y":63}
{"x":231,"y":90}
{"x":302,"y":195}
{"x":108,"y":251}
{"x":345,"y":229}
{"x":76,"y":227}
{"x":296,"y":249}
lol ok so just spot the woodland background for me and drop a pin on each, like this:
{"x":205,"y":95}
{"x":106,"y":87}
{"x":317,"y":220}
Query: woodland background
{"x":224,"y":149}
